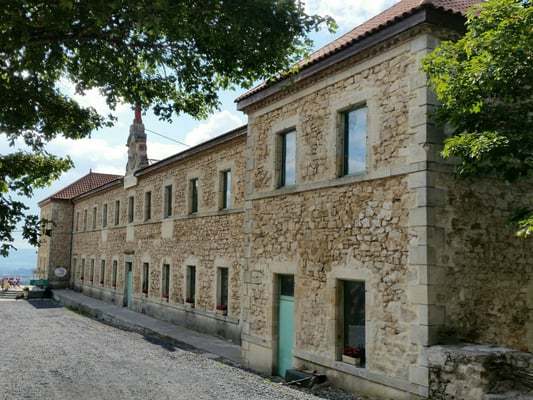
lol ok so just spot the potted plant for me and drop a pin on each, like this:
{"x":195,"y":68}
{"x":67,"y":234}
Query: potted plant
{"x":222,"y":309}
{"x":26,"y":292}
{"x":353,"y":355}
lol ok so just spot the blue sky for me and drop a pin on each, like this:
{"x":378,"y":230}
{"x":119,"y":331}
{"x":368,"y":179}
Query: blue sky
{"x":106,"y":152}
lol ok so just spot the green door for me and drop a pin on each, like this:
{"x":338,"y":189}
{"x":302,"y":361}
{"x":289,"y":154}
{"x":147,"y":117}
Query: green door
{"x":285,"y":323}
{"x":129,"y":285}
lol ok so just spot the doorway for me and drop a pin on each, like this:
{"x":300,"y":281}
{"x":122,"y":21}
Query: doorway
{"x":285,"y":323}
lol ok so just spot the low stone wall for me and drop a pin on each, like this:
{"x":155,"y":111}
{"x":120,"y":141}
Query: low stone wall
{"x":476,"y":372}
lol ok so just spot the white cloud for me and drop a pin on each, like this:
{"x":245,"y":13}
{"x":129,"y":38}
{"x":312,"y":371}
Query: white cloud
{"x":348,"y":14}
{"x":92,"y":98}
{"x":215,"y":125}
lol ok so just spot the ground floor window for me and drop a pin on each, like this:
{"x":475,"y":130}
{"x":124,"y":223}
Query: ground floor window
{"x":82,"y":272}
{"x":91,"y":276}
{"x":353,"y":322}
{"x":166,"y":281}
{"x":190,"y":295}
{"x":102,"y":272}
{"x":223,"y":289}
{"x":146,"y":277}
{"x":114,"y":273}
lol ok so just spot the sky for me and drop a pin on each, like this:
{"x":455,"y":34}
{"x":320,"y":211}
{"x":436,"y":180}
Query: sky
{"x":105,"y":151}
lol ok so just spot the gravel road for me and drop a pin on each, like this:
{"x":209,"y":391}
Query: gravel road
{"x":48,"y":352}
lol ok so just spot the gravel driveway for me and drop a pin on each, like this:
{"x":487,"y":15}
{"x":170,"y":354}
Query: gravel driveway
{"x":48,"y":352}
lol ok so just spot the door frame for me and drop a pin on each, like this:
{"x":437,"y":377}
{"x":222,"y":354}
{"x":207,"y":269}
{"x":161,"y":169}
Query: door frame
{"x":275,"y":318}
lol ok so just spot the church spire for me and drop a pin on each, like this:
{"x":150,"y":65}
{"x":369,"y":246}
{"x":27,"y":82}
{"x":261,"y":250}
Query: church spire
{"x":137,"y":157}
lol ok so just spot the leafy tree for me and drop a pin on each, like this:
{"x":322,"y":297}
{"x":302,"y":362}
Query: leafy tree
{"x":484,"y":82}
{"x":171,"y":55}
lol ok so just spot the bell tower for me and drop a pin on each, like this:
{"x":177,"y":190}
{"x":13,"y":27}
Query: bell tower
{"x":137,"y":157}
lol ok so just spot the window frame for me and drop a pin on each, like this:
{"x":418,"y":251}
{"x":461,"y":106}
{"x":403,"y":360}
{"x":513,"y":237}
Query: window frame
{"x":95,"y":212}
{"x":148,"y":205}
{"x":117,"y":212}
{"x":194,"y":195}
{"x":92,"y":271}
{"x":85,"y":220}
{"x":104,"y":215}
{"x":114,"y":273}
{"x":102,"y":272}
{"x":165,"y":283}
{"x":220,"y":292}
{"x":145,"y":282}
{"x":82,"y":270}
{"x":345,"y":134}
{"x":282,"y":158}
{"x":341,"y":312}
{"x":226,"y":188}
{"x":131,"y":209}
{"x":168,"y":202}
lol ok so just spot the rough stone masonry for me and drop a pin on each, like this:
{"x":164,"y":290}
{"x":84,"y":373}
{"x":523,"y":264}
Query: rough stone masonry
{"x":214,"y":238}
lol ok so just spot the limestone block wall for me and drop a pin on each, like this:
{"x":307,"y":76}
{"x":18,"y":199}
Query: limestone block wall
{"x":484,"y":277}
{"x":209,"y":239}
{"x":370,"y":227}
{"x":43,"y":254}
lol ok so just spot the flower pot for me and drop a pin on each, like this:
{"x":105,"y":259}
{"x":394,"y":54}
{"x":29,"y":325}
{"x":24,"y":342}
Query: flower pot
{"x":351,"y":360}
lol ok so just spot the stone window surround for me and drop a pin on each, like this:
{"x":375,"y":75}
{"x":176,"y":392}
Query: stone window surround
{"x":222,"y":167}
{"x":193,"y":174}
{"x":166,"y":261}
{"x":105,"y":215}
{"x":77,"y":221}
{"x":130,"y":219}
{"x":168,"y":182}
{"x":116,"y":214}
{"x":277,"y":130}
{"x":194,"y":261}
{"x":115,"y":259}
{"x":85,"y":221}
{"x":221,"y":262}
{"x":151,"y":191}
{"x":147,"y":260}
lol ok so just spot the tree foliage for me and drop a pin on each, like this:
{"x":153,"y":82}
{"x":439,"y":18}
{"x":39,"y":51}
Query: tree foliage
{"x":484,"y":82}
{"x":171,"y":55}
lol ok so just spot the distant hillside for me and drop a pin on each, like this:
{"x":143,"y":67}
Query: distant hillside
{"x":21,"y":262}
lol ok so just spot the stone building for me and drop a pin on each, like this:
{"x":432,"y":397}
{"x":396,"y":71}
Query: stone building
{"x":327,"y":234}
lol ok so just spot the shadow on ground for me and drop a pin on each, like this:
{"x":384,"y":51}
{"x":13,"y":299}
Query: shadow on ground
{"x":44,"y":303}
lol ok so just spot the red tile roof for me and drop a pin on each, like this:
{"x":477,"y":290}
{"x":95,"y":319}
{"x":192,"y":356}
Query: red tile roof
{"x":86,"y":183}
{"x":391,"y":15}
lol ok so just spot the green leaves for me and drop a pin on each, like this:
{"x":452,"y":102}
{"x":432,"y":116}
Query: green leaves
{"x":484,"y":83}
{"x":171,"y":55}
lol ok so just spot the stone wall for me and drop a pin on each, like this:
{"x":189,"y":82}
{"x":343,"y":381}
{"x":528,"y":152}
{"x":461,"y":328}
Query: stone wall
{"x":329,"y":228}
{"x":484,"y":272}
{"x":209,"y":239}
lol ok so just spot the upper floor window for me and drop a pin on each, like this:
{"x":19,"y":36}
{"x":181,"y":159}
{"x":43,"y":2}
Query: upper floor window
{"x":84,"y":220}
{"x":94,"y":217}
{"x":77,"y":221}
{"x":354,"y":140}
{"x":226,"y":190}
{"x":167,"y":198}
{"x":193,"y":196}
{"x":117,"y":212}
{"x":104,"y":215}
{"x":288,"y":159}
{"x":131,"y":208}
{"x":147,"y":206}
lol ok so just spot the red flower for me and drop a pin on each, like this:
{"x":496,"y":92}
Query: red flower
{"x":355,"y":352}
{"x":222,"y":307}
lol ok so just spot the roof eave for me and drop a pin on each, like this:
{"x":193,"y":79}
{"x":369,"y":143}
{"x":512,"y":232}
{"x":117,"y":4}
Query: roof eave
{"x":426,"y":14}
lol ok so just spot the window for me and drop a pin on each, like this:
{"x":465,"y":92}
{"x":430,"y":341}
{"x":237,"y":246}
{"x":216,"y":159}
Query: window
{"x":226,"y":190}
{"x":146,"y":277}
{"x":131,"y":208}
{"x":82,"y":272}
{"x":84,"y":220}
{"x":78,"y":221}
{"x":104,"y":215}
{"x":74,"y":267}
{"x":286,"y":285}
{"x":91,"y":276}
{"x":102,"y":272}
{"x":117,"y":212}
{"x":94,"y":217}
{"x":354,"y":141}
{"x":193,"y":195}
{"x":147,"y":206}
{"x":222,"y":295}
{"x":168,"y":201}
{"x":114,"y":274}
{"x":353,"y":322}
{"x":166,"y":281}
{"x":288,"y":159}
{"x":190,"y":295}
